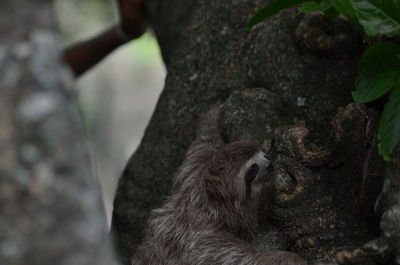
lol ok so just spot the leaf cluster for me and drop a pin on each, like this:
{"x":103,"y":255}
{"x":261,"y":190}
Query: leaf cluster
{"x":379,"y":66}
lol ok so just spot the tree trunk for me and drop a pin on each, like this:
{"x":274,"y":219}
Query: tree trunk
{"x":290,"y":93}
{"x":50,"y":204}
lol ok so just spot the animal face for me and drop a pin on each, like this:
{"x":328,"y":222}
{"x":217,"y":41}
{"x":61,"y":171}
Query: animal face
{"x":255,"y":173}
{"x":237,"y":174}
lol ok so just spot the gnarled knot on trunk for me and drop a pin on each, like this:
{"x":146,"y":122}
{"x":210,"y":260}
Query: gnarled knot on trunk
{"x":295,"y":142}
{"x":322,"y":35}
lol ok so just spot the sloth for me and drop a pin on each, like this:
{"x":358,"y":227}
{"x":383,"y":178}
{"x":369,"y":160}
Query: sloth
{"x":211,"y":216}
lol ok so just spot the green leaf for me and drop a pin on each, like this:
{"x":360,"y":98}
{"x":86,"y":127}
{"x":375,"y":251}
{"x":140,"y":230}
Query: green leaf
{"x":389,"y":126}
{"x":331,"y":13}
{"x":314,"y":7}
{"x":379,"y":16}
{"x":272,"y":9}
{"x":345,"y":7}
{"x":378,"y":72}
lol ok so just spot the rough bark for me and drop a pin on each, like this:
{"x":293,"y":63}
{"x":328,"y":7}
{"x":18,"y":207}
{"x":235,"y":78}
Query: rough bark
{"x":50,"y":205}
{"x":390,"y":204}
{"x":285,"y":90}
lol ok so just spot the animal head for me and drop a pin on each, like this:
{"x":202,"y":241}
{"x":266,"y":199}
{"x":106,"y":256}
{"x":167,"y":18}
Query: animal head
{"x":237,"y":174}
{"x":231,"y":186}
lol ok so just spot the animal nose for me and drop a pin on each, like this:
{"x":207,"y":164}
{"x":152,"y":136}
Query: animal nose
{"x":266,"y":169}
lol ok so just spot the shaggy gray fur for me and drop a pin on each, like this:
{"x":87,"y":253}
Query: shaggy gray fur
{"x":210,"y":217}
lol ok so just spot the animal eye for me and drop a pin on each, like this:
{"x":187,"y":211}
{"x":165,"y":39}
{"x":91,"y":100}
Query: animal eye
{"x":251,"y":173}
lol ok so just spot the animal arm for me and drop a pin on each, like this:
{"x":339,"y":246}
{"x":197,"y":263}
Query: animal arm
{"x":219,"y":248}
{"x":207,"y":142}
{"x":209,"y":137}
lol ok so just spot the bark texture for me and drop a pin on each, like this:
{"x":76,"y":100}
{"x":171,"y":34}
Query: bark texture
{"x":50,"y":206}
{"x":286,"y":90}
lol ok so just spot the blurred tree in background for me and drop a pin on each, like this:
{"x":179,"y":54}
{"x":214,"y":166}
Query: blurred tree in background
{"x":117,"y":97}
